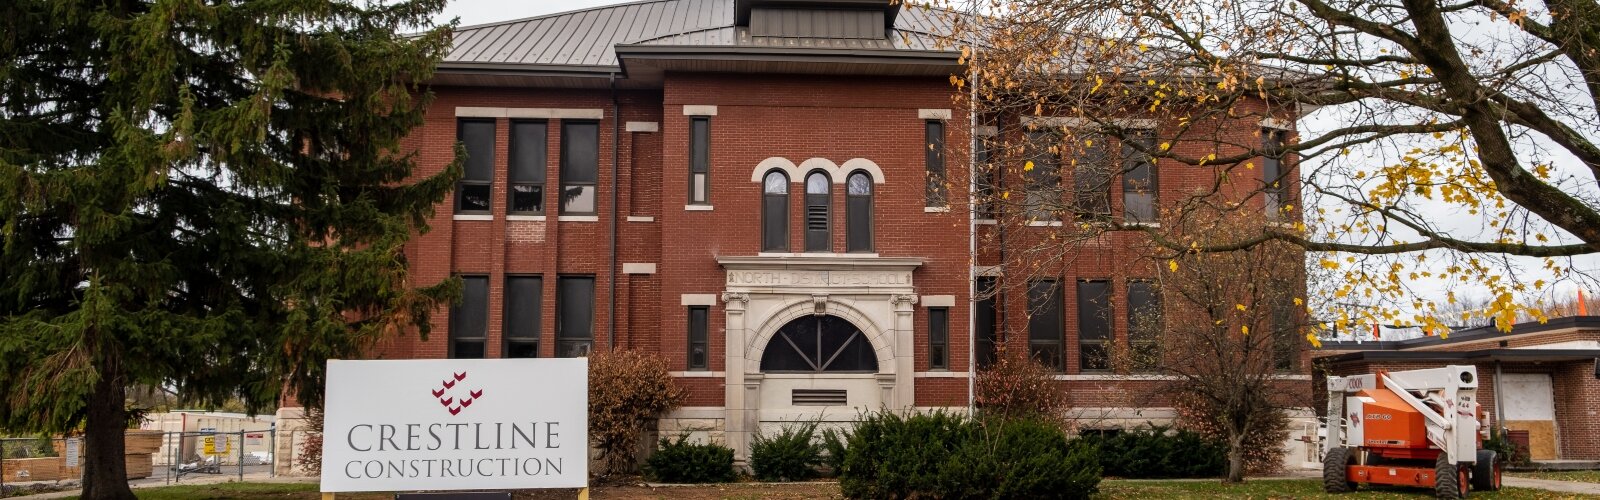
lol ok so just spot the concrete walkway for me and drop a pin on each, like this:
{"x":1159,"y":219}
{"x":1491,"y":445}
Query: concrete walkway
{"x":1552,"y":485}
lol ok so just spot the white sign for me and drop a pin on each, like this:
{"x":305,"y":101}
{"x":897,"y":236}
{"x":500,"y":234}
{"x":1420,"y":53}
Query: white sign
{"x":72,"y":451}
{"x":456,"y":424}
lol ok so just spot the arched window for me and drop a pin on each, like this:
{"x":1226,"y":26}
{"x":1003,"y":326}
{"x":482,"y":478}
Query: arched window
{"x":819,"y":344}
{"x":858,"y":212}
{"x":775,"y":212}
{"x":818,"y":238}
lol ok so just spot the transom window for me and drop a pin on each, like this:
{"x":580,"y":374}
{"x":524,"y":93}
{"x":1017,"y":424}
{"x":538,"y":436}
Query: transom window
{"x":819,"y":344}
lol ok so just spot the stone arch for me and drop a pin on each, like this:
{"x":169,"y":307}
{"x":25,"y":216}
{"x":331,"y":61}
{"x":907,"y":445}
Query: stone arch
{"x":801,"y":307}
{"x":776,"y":162}
{"x":835,"y":172}
{"x":863,"y":164}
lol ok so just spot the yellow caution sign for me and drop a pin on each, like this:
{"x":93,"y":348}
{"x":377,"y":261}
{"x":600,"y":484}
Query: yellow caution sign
{"x":215,"y":445}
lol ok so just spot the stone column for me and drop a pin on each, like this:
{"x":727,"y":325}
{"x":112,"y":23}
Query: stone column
{"x":904,"y":352}
{"x":733,"y":421}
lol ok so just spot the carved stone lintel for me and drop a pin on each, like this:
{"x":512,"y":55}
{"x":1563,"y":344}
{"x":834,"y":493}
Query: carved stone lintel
{"x":906,"y":299}
{"x":736,"y":296}
{"x":819,"y":304}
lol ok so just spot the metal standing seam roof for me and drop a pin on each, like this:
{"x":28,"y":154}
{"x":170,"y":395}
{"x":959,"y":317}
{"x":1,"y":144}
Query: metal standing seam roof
{"x":587,"y":37}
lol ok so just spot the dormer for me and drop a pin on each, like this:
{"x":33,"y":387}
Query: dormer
{"x":837,"y":19}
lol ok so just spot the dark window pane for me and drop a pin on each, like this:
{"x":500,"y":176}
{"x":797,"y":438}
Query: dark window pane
{"x":468,"y":349}
{"x":858,"y":214}
{"x":575,"y":298}
{"x":478,"y":137}
{"x":818,"y":237}
{"x":1138,"y":178}
{"x":523,"y":302}
{"x":1094,"y":310}
{"x":527,"y":198}
{"x":1272,"y":170}
{"x":580,"y":152}
{"x":984,"y":321}
{"x":1138,"y":207}
{"x":698,"y":333}
{"x":938,"y":337}
{"x":700,"y":145}
{"x":522,"y":349}
{"x":1095,"y":356}
{"x":1146,"y":356}
{"x":934,"y":146}
{"x":473,"y":198}
{"x":1044,"y":311}
{"x":578,"y":199}
{"x":1144,"y":310}
{"x":1091,"y":176}
{"x":775,"y":222}
{"x":1048,"y":354}
{"x":573,"y":348}
{"x":819,"y":343}
{"x":528,"y":145}
{"x":1043,"y":193}
{"x":469,"y":320}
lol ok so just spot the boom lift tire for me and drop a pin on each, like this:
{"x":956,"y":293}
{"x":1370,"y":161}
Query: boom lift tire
{"x":1449,"y":481}
{"x":1486,"y":473}
{"x":1335,"y":479}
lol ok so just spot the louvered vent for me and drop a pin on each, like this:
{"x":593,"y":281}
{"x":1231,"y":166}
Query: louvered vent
{"x":817,"y":217}
{"x":818,"y":397}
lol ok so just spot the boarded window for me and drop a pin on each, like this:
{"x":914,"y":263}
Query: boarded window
{"x":528,"y":156}
{"x":473,"y":191}
{"x":523,"y":305}
{"x":985,"y":321}
{"x":775,"y":212}
{"x":1138,"y":178}
{"x":858,"y":213}
{"x":580,"y":167}
{"x":575,"y":322}
{"x":699,"y":325}
{"x":819,"y":238}
{"x":700,"y":160}
{"x":469,"y":320}
{"x":939,"y":337}
{"x":1044,"y":324}
{"x":1094,"y":324}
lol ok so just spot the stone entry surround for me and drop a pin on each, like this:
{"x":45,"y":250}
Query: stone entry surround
{"x":764,"y":293}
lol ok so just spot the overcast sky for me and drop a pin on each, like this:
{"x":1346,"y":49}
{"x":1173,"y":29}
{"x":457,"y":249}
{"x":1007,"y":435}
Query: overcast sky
{"x":488,"y":11}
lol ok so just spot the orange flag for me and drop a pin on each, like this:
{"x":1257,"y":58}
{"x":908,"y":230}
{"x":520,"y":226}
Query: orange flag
{"x":1375,"y":331}
{"x":1583,"y":305}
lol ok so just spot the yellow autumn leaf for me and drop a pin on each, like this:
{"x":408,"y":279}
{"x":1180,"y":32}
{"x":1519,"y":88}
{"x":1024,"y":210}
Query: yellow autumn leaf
{"x":1027,"y":167}
{"x":1315,"y":342}
{"x":1245,"y":329}
{"x":1239,"y":307}
{"x":1329,"y":264}
{"x":1173,"y":265}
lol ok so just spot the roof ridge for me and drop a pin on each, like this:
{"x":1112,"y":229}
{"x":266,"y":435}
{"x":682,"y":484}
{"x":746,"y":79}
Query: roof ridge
{"x":558,"y":14}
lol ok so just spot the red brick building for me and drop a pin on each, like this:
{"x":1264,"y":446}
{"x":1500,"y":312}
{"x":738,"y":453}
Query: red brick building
{"x":743,"y":186}
{"x":1542,"y":379}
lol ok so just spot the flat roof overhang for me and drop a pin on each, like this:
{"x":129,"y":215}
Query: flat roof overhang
{"x":1478,"y":356}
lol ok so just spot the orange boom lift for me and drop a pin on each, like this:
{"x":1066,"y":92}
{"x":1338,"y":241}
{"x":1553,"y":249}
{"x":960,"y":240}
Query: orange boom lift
{"x":1410,"y":428}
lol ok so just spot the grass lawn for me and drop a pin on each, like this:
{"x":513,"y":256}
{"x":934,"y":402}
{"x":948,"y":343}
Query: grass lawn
{"x":1582,"y":476}
{"x":1113,"y":489}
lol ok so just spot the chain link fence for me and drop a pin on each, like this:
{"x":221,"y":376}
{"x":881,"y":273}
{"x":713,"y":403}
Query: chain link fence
{"x":157,"y":456}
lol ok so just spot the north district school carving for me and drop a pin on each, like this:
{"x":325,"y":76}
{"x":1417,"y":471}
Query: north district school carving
{"x":817,"y":278}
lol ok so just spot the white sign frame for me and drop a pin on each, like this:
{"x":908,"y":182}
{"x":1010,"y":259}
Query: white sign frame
{"x":456,"y":424}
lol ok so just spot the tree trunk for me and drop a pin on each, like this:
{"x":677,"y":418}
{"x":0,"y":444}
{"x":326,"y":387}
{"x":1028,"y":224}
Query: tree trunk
{"x":1236,"y":458}
{"x":105,"y":471}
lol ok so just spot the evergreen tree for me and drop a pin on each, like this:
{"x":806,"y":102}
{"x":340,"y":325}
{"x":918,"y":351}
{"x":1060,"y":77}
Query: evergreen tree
{"x":205,"y":195}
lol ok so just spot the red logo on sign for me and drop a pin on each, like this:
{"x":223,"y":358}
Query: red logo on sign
{"x":454,"y":403}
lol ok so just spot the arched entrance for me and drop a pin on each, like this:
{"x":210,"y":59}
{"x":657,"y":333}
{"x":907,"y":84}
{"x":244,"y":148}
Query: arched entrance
{"x":817,"y":344}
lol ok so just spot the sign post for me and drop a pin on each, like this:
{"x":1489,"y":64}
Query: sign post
{"x":455,"y":424}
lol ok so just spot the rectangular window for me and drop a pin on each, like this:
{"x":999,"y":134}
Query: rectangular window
{"x":1272,"y":171}
{"x":575,"y":321}
{"x":524,"y":299}
{"x":1285,"y":337}
{"x":580,"y":167}
{"x":477,"y":178}
{"x":529,"y":146}
{"x":1094,"y":324}
{"x":938,"y":338}
{"x":700,"y":160}
{"x":1091,"y":177}
{"x":699,"y":327}
{"x":469,"y":320}
{"x":933,"y":146}
{"x":1044,"y":324}
{"x":988,"y":178}
{"x":984,"y":320}
{"x":1139,"y":177}
{"x":1144,"y":325}
{"x":1043,"y":193}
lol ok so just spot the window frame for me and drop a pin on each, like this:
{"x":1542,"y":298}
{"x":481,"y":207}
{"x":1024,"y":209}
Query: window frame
{"x":851,"y":218}
{"x":699,"y":165}
{"x":825,"y":238}
{"x":1103,"y":343}
{"x":507,"y":337}
{"x":461,"y":185}
{"x":515,"y":147}
{"x":767,"y":215}
{"x":458,"y":314}
{"x":934,"y":134}
{"x":700,"y":336}
{"x":566,"y":183}
{"x":938,"y":338}
{"x":1274,"y":185}
{"x":1054,"y":332}
{"x":562,"y":339}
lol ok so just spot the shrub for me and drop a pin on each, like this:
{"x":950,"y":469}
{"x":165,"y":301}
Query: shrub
{"x":1502,"y":445}
{"x":628,"y":390}
{"x":1016,"y":386}
{"x":792,"y":455}
{"x":1159,"y":452}
{"x":833,"y":442}
{"x":941,"y":455}
{"x":679,"y":461}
